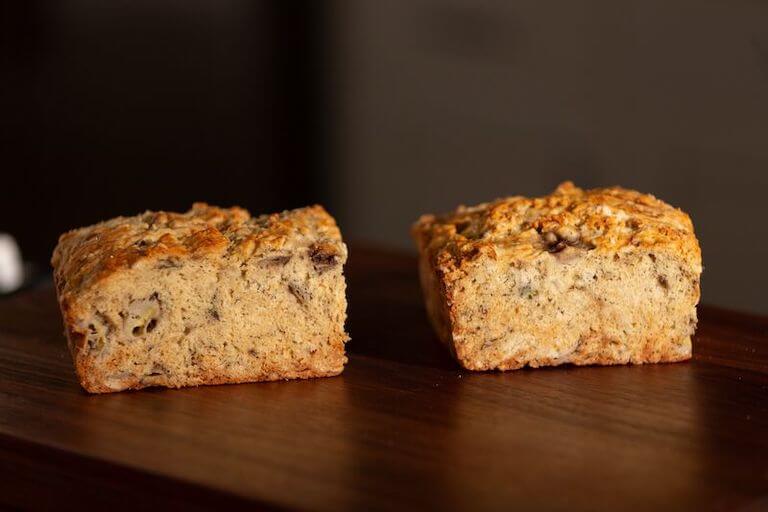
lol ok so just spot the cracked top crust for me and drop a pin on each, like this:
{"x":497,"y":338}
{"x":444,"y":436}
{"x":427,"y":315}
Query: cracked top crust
{"x":519,"y":228}
{"x":88,"y":255}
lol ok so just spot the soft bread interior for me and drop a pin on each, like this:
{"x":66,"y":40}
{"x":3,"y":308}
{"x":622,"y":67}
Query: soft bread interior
{"x":206,"y":321}
{"x":574,"y":305}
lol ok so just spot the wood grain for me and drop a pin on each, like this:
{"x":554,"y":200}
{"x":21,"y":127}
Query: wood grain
{"x":403,"y":428}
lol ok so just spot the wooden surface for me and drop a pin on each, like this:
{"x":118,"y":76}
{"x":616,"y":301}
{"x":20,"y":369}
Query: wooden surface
{"x":402,"y":428}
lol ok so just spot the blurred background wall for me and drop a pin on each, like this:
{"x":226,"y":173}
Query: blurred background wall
{"x":111,"y":108}
{"x":439,"y":103}
{"x":385,"y":110}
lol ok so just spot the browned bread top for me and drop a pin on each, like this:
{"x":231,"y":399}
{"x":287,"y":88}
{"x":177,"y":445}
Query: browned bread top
{"x":603,"y":219}
{"x":88,"y":255}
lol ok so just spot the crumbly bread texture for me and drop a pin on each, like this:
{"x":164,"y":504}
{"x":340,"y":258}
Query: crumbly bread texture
{"x":604,"y":276}
{"x":210,"y":296}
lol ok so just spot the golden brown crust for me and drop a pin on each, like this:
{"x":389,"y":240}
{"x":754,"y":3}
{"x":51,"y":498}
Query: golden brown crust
{"x":214,"y":380}
{"x":606,"y":219}
{"x":89,"y":258}
{"x":518,"y":232}
{"x":91,"y":254}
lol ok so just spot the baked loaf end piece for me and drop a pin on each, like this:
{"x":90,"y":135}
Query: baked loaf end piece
{"x":210,"y":296}
{"x":604,"y":276}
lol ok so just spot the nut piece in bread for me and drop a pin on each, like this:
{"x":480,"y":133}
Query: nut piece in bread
{"x":604,"y":276}
{"x":210,"y":296}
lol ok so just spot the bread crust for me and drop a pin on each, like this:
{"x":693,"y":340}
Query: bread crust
{"x":87,"y":260}
{"x":88,"y":255}
{"x":516,"y":232}
{"x":606,"y":218}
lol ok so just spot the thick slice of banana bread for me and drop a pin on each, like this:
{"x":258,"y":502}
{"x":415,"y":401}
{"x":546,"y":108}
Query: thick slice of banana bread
{"x":210,"y":296}
{"x":604,"y":276}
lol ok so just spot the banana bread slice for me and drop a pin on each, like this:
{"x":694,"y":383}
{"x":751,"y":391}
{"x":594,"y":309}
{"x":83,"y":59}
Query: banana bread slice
{"x":210,"y":296}
{"x":604,"y":276}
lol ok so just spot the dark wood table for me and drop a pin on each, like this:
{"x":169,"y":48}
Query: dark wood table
{"x":403,"y":428}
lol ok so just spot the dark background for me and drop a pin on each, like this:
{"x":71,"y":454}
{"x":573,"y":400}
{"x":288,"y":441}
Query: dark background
{"x":385,"y":110}
{"x":113,"y":108}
